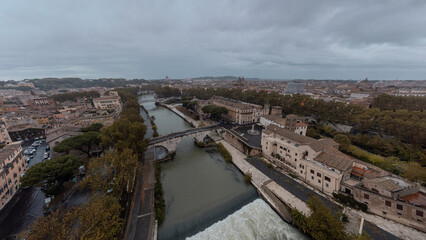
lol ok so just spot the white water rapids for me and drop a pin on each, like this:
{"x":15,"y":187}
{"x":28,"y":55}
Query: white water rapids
{"x":256,"y":220}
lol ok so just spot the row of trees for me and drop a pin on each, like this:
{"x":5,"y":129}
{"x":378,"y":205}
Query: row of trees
{"x":215,"y":111}
{"x":404,"y":125}
{"x":388,"y":102}
{"x":73,"y":96}
{"x":111,"y":178}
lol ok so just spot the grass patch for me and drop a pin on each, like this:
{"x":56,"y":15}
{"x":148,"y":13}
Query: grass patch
{"x":224,"y":152}
{"x":390,"y":164}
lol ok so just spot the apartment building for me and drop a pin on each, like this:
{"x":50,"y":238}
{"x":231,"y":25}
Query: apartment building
{"x":4,"y":134}
{"x":317,"y":162}
{"x":110,"y":101}
{"x":42,"y":104}
{"x":238,"y":112}
{"x":387,"y":195}
{"x":12,"y":168}
{"x":291,"y":123}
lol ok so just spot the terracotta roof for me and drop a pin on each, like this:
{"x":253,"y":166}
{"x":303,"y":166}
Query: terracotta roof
{"x":301,"y":124}
{"x":417,"y":198}
{"x":277,"y":119}
{"x":335,"y":159}
{"x":235,"y":104}
{"x":290,"y":135}
{"x":8,"y":150}
{"x":320,"y":144}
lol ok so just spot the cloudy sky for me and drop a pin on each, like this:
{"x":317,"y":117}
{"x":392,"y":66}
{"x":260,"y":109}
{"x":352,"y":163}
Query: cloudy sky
{"x":265,"y":38}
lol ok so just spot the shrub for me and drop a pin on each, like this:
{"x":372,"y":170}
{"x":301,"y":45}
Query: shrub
{"x":248,"y":177}
{"x":348,"y":200}
{"x":224,"y":152}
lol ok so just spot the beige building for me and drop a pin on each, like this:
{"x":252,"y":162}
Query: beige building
{"x":318,"y":162}
{"x":111,"y":101}
{"x":290,"y":122}
{"x":4,"y":134}
{"x":238,"y":112}
{"x":387,"y":195}
{"x":12,"y":168}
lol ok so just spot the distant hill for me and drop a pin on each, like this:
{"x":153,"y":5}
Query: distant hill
{"x":55,"y":83}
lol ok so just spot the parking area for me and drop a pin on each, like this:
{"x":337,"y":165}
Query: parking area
{"x":38,"y":155}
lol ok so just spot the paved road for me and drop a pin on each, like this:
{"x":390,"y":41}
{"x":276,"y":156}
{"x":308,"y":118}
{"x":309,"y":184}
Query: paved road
{"x":142,"y":216}
{"x":303,"y":193}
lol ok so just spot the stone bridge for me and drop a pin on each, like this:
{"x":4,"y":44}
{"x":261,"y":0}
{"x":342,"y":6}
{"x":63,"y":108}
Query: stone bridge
{"x":171,"y":141}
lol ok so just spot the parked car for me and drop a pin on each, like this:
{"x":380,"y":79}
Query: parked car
{"x":46,"y":155}
{"x":47,"y":148}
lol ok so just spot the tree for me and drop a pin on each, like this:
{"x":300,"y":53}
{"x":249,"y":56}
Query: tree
{"x":343,"y":140}
{"x":82,"y":142}
{"x":46,"y":174}
{"x":114,"y":172}
{"x":415,"y":172}
{"x":125,"y":134}
{"x":95,"y":127}
{"x":98,"y":219}
{"x":215,"y":111}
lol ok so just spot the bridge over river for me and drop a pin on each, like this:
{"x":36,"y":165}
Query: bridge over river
{"x":171,"y":141}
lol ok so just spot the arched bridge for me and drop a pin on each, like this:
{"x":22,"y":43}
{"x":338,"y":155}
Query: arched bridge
{"x":171,"y":141}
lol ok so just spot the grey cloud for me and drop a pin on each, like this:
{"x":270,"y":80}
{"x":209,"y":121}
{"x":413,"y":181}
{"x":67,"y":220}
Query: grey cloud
{"x":272,"y":39}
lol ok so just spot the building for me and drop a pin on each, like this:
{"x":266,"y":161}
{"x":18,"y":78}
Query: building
{"x":316,"y":161}
{"x":111,"y":101}
{"x":12,"y":168}
{"x":4,"y":134}
{"x":42,"y":104}
{"x":387,"y":195}
{"x":291,"y":123}
{"x":238,"y":112}
{"x":293,"y":88}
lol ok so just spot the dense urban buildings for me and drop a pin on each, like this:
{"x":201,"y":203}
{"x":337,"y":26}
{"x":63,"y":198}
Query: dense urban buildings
{"x":12,"y":167}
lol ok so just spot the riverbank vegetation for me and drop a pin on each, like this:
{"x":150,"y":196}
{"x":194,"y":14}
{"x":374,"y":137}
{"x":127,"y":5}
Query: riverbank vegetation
{"x":111,"y":179}
{"x":224,"y":152}
{"x":248,"y":177}
{"x":159,"y":202}
{"x":322,"y":223}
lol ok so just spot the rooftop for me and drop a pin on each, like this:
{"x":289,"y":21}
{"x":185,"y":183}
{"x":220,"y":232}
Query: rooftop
{"x":235,"y":104}
{"x":417,"y":198}
{"x":288,"y":134}
{"x":335,"y":159}
{"x":8,"y":150}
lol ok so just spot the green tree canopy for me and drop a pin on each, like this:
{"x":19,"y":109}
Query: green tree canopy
{"x":49,"y":172}
{"x":125,"y":134}
{"x":215,"y":111}
{"x":343,"y":140}
{"x":82,"y":142}
{"x":95,"y":127}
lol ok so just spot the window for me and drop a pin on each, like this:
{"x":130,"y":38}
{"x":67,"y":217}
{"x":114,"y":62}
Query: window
{"x":312,"y":177}
{"x":327,"y":178}
{"x":295,"y":154}
{"x":295,"y":159}
{"x":366,"y":196}
{"x":419,"y":213}
{"x":301,"y":171}
{"x":399,"y":207}
{"x":388,"y":203}
{"x":319,"y":181}
{"x":326,"y":185}
{"x":312,"y":171}
{"x":318,"y":174}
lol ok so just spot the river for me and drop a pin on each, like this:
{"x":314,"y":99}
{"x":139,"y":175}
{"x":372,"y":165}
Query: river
{"x":207,"y":198}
